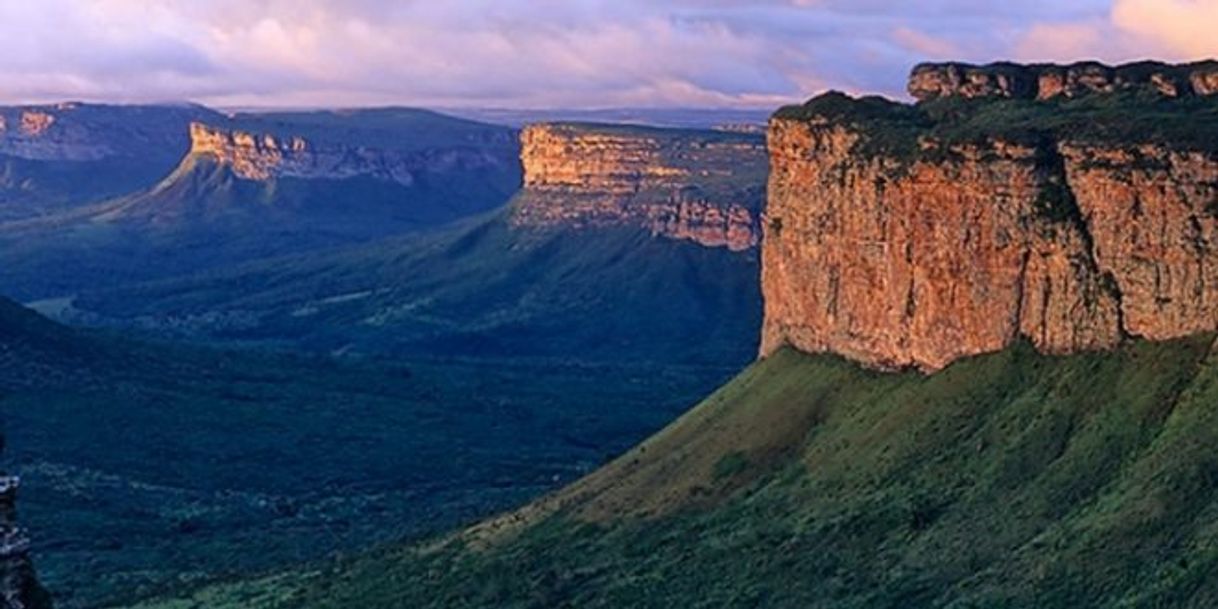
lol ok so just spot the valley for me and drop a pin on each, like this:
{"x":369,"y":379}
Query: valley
{"x":279,"y":390}
{"x":137,"y":456}
{"x":523,"y":282}
{"x":254,"y":186}
{"x":986,"y":378}
{"x":957,"y":352}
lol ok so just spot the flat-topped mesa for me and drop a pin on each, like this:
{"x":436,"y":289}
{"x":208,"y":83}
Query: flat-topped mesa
{"x":899,"y":241}
{"x":36,"y":133}
{"x":252,"y":156}
{"x":347,"y":145}
{"x":1048,"y":81}
{"x":703,"y":186}
{"x":265,"y":156}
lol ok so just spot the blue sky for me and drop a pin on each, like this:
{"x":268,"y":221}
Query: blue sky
{"x":552,"y":53}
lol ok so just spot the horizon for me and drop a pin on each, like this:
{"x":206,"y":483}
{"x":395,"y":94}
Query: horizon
{"x":532,"y":56}
{"x":459,"y":110}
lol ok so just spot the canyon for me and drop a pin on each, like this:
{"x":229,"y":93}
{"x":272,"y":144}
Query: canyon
{"x":701,"y":186}
{"x":927,"y":247}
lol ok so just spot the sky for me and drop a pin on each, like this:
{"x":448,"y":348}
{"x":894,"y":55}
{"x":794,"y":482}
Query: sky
{"x":552,"y":53}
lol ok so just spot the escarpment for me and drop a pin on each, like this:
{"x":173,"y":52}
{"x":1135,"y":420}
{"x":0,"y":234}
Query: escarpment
{"x":702,"y":186}
{"x":1048,"y":81}
{"x":73,"y":132}
{"x":906,"y":236}
{"x":266,"y":151}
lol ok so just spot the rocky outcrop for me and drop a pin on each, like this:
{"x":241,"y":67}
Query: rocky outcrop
{"x":702,"y":186}
{"x":265,"y":155}
{"x":1047,"y":81}
{"x":964,"y":247}
{"x":85,"y":132}
{"x":19,"y":588}
{"x":31,"y":133}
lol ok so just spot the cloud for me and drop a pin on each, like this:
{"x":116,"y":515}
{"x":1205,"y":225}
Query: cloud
{"x":535,"y":53}
{"x":1181,"y":29}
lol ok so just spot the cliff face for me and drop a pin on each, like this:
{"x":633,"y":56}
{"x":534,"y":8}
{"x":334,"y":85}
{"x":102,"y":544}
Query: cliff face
{"x":254,"y":156}
{"x":962,"y":247}
{"x":402,"y":147}
{"x":19,"y":588}
{"x":82,"y":132}
{"x":27,"y":133}
{"x":58,"y":157}
{"x":930,"y":81}
{"x":703,"y":186}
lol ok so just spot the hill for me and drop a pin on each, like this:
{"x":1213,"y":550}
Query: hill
{"x":483,"y":289}
{"x":1013,"y":479}
{"x":148,"y":466}
{"x":255,"y":186}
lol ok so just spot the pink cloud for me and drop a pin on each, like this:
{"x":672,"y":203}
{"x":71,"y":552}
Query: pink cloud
{"x":1181,"y":29}
{"x":531,"y":53}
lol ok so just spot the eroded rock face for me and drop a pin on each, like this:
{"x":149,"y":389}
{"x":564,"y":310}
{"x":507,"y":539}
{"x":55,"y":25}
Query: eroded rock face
{"x":32,"y":133}
{"x":703,"y":186}
{"x":19,"y":588}
{"x":1046,"y":81}
{"x":916,"y":263}
{"x":263,"y":156}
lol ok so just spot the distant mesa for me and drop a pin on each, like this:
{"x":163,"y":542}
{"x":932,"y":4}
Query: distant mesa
{"x":395,"y":145}
{"x":252,"y":156}
{"x":1047,"y":81}
{"x":699,"y":185}
{"x":61,"y":157}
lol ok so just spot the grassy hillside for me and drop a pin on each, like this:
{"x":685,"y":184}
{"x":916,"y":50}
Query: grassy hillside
{"x":149,"y":466}
{"x":482,"y":289}
{"x":1009,"y":480}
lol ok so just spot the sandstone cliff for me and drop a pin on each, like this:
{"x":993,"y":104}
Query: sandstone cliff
{"x":401,"y":148}
{"x":902,"y":239}
{"x":56,"y":158}
{"x":84,"y":132}
{"x":1047,"y":81}
{"x":703,"y":186}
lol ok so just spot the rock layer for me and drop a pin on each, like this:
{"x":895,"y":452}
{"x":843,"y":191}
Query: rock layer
{"x":961,"y":251}
{"x":85,"y":132}
{"x":1046,"y":81}
{"x":703,"y":186}
{"x":263,"y":156}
